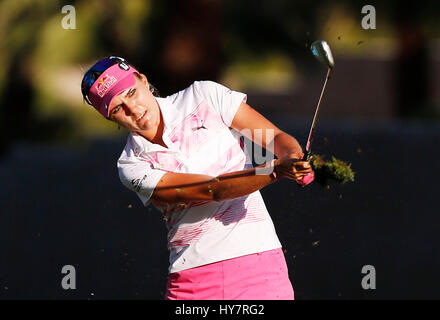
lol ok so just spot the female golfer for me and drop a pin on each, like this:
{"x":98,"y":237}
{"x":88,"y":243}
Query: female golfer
{"x":185,"y":154}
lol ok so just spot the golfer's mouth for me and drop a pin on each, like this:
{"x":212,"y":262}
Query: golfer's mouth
{"x":141,"y":116}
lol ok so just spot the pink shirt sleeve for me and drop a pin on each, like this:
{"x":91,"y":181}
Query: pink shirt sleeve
{"x":139,"y":177}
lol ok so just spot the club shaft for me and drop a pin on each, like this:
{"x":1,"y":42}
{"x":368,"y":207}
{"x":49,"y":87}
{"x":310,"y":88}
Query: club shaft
{"x":315,"y":118}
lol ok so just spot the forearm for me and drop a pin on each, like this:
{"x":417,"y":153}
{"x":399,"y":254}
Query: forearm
{"x":286,"y":145}
{"x":178,"y":187}
{"x":240,"y":183}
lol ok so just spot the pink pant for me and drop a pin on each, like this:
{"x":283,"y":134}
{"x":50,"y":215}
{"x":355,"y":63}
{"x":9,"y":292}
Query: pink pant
{"x":259,"y":276}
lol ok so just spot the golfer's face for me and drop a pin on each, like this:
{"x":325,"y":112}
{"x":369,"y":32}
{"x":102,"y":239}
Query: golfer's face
{"x":134,"y":108}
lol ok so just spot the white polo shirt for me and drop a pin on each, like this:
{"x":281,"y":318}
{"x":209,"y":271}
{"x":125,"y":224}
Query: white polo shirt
{"x":197,"y":133}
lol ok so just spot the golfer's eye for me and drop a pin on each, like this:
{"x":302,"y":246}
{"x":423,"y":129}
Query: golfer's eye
{"x":116,"y":109}
{"x":131,"y":92}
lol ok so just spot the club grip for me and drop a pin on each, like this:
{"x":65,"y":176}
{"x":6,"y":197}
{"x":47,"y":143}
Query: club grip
{"x":306,"y":179}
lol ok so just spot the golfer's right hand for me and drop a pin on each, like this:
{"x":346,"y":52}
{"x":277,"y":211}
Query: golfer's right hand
{"x":292,"y":168}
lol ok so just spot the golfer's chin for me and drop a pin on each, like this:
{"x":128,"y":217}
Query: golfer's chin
{"x":138,"y":127}
{"x":143,"y":126}
{"x":145,"y":132}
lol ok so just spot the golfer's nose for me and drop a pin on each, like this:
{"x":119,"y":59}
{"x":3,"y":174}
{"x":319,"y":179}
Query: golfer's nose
{"x":132,"y":107}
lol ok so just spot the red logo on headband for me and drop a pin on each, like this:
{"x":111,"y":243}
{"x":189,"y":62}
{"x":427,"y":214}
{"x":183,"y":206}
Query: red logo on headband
{"x":104,"y":84}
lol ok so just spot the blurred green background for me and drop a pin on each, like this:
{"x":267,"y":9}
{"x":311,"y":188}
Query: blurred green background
{"x":258,"y":47}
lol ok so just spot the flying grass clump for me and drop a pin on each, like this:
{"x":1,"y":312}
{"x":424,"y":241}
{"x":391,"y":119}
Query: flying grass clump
{"x":335,"y":169}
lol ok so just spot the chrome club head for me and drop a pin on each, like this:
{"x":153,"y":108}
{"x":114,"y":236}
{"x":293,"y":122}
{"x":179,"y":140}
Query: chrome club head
{"x":322,"y":52}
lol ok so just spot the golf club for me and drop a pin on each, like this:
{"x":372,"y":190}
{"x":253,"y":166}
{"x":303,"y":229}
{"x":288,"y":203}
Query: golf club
{"x":321,"y":51}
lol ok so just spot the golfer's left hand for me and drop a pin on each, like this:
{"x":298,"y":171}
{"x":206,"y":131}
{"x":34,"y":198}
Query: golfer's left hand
{"x":295,"y":169}
{"x":305,"y":176}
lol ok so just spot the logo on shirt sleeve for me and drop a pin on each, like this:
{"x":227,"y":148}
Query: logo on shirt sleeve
{"x":138,"y":183}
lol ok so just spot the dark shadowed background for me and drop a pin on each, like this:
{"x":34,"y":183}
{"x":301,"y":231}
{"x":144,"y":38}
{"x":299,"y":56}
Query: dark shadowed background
{"x":61,"y":201}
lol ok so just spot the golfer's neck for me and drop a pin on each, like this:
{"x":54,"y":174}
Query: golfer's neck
{"x":155,"y":135}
